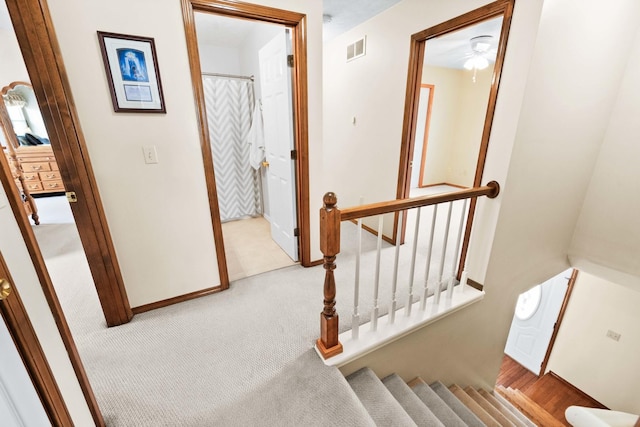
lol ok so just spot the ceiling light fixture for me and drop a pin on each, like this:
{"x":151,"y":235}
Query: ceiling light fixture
{"x":480,"y":46}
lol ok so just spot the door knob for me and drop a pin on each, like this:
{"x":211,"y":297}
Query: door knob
{"x":5,"y":289}
{"x":265,"y":164}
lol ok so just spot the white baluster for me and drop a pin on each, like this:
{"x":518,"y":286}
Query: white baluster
{"x":412,"y":271}
{"x":394,"y":284}
{"x":444,"y":254}
{"x":456,"y":254}
{"x":427,"y":269}
{"x":376,"y":285}
{"x":355,"y":318}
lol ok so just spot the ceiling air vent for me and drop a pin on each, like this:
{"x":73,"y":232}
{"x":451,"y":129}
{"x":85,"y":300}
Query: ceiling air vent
{"x":356,"y":49}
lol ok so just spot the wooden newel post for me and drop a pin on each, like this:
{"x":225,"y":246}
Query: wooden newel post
{"x":328,"y":343}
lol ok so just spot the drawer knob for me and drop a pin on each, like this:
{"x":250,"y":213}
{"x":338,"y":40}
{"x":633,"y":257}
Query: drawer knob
{"x":53,"y":185}
{"x":36,"y":168}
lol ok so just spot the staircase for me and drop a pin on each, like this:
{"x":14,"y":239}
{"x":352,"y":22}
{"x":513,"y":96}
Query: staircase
{"x":392,"y":402}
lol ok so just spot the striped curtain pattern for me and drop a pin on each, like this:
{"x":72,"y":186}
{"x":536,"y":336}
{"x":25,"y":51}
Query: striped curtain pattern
{"x":229,"y":103}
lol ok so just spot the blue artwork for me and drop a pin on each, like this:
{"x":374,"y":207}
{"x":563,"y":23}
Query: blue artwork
{"x":133,"y":66}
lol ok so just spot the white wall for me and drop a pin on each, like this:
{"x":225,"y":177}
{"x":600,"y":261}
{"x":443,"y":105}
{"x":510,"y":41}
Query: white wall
{"x":457,"y":120}
{"x":159,"y":214}
{"x":474,"y":98}
{"x":604,"y":369}
{"x":607,"y":237}
{"x":219,"y":59}
{"x":25,"y":280}
{"x":12,"y":68}
{"x":442,"y":129}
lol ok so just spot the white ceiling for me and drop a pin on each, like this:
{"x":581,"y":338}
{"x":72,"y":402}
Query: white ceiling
{"x":453,"y":49}
{"x":346,"y":14}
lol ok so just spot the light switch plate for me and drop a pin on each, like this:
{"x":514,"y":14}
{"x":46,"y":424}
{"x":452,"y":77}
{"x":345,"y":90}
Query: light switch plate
{"x":150,"y":154}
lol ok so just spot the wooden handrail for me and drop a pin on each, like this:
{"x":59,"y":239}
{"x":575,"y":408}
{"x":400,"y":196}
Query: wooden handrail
{"x":491,"y":190}
{"x":328,"y":344}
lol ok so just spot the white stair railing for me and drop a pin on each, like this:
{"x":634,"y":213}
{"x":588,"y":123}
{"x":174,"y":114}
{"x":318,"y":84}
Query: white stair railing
{"x":398,"y":283}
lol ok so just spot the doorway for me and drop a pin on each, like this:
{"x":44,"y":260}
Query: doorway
{"x":249,"y":75}
{"x":536,"y":321}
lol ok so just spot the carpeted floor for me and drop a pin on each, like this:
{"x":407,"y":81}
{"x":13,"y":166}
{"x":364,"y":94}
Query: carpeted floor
{"x":187,"y":364}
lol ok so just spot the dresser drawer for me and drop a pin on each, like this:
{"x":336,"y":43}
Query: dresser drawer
{"x":31,"y":176}
{"x":54,"y":166}
{"x":33,"y":186}
{"x":36,"y":167}
{"x":50,"y":175}
{"x":53,"y":185}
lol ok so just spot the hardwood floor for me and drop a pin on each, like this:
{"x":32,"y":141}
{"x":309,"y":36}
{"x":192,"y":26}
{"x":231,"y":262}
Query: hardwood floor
{"x":514,"y":375}
{"x":555,"y":395}
{"x":550,"y":392}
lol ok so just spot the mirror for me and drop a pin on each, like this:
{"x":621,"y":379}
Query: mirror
{"x":446,"y":137}
{"x":454,"y":92}
{"x":23,"y":111}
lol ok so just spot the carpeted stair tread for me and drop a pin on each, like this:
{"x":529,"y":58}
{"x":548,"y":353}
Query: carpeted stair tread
{"x":487,"y":406}
{"x":438,"y":406}
{"x":502,"y":408}
{"x":522,"y":417}
{"x":458,"y":407}
{"x":473,"y":405}
{"x":411,"y":403}
{"x":383,"y":408}
{"x":305,"y":393}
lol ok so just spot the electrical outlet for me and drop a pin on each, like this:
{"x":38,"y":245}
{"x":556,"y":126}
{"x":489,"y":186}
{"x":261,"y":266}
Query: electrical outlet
{"x":150,"y":154}
{"x":613,"y":335}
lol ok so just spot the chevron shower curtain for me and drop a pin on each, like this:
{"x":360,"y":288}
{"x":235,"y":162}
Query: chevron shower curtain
{"x":229,"y":103}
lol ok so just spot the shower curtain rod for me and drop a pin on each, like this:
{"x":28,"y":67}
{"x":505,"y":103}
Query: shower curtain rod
{"x":229,"y":76}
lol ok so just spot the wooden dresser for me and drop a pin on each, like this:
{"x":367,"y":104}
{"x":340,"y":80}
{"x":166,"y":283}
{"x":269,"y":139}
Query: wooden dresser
{"x":39,"y":169}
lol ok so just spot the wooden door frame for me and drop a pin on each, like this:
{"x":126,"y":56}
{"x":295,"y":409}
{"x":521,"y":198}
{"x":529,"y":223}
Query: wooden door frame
{"x":425,"y":139}
{"x":556,"y":327}
{"x":42,"y":56}
{"x":35,"y":361}
{"x":502,"y":8}
{"x":297,"y":22}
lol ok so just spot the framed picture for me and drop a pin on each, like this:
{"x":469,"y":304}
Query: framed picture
{"x":132,"y":73}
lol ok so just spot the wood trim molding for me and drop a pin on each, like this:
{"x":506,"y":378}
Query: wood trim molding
{"x":35,"y":33}
{"x":425,"y":139}
{"x":556,"y":327}
{"x":416,"y":59}
{"x":26,"y":341}
{"x":297,"y":23}
{"x":475,"y":284}
{"x":12,"y":85}
{"x":175,"y":300}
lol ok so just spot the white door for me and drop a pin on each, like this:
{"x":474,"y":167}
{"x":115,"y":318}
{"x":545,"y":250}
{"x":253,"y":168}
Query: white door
{"x":277,"y":111}
{"x":20,"y":405}
{"x":533,"y":322}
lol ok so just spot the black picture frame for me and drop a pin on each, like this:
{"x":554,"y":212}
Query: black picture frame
{"x":131,"y":67}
